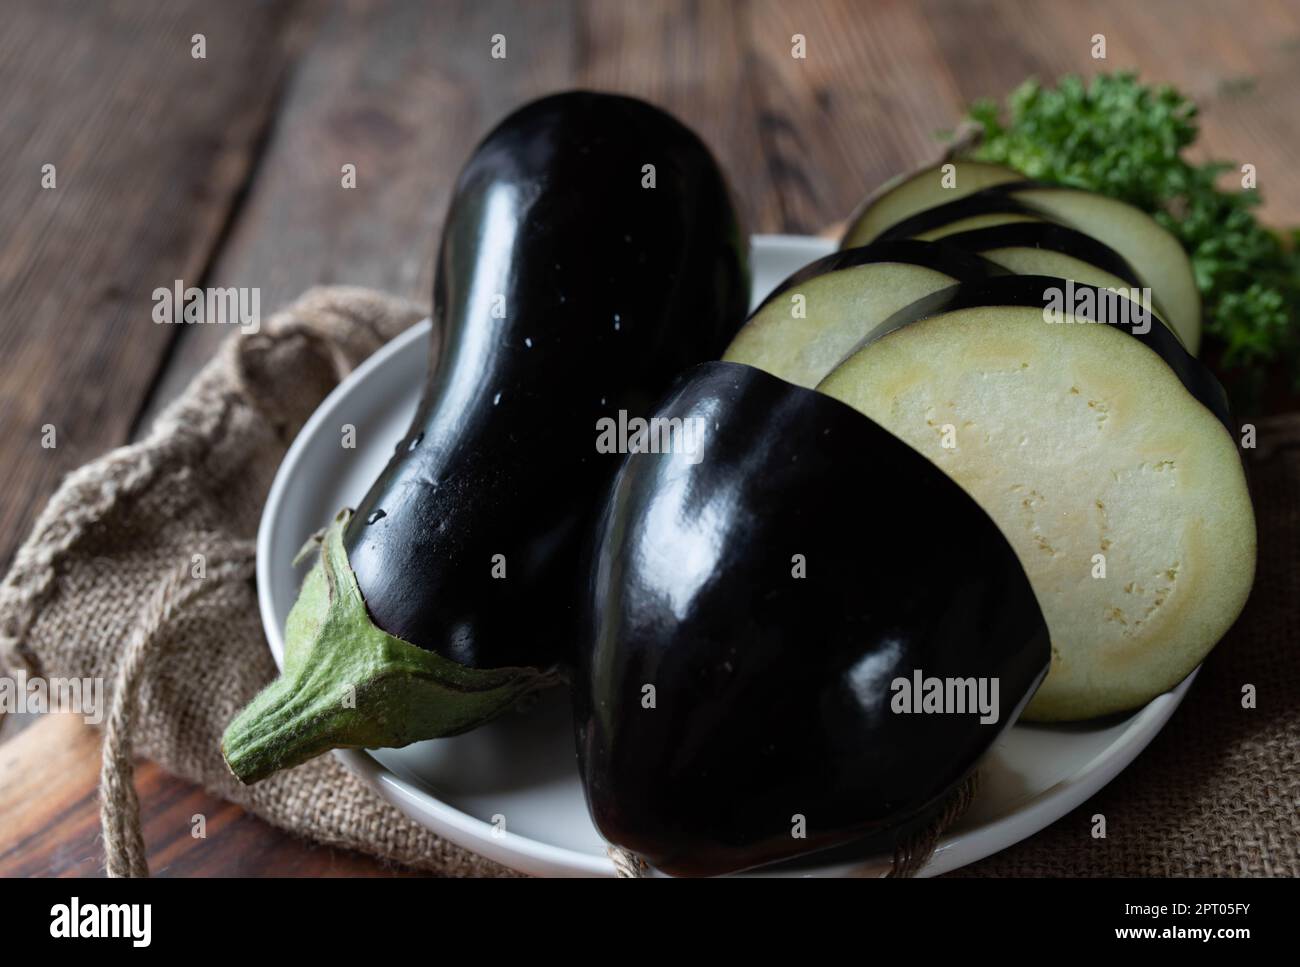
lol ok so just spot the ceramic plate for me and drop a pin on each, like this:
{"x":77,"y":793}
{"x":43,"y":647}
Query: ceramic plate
{"x":510,"y":791}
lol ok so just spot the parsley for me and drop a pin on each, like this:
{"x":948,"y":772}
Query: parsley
{"x":1122,"y":138}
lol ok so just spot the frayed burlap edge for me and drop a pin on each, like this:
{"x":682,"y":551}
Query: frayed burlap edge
{"x":270,"y":381}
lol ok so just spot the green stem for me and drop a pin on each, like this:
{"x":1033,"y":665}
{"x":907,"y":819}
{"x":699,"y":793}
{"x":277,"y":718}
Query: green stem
{"x":349,"y":684}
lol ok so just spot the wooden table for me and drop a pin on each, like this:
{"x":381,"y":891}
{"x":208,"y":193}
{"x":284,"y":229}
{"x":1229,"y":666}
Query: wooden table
{"x":225,"y":170}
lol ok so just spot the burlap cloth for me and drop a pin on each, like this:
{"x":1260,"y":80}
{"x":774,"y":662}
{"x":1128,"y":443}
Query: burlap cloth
{"x":104,"y":587}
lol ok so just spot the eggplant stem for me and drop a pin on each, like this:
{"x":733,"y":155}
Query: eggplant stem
{"x":347,"y":683}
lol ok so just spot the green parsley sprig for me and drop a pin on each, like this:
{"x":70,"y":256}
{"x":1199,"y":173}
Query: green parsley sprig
{"x":1122,"y":138}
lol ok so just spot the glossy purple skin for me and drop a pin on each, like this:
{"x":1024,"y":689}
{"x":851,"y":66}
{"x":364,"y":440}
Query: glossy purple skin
{"x":565,"y":291}
{"x":772,"y":693}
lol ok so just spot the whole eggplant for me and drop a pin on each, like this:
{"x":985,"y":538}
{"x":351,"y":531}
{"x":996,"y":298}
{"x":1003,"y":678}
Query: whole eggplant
{"x":758,"y":603}
{"x":591,"y":252}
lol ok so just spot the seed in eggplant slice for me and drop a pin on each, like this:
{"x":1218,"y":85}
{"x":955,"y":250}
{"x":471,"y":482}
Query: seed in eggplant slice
{"x":754,"y":602}
{"x":1106,"y":454}
{"x":813,"y":319}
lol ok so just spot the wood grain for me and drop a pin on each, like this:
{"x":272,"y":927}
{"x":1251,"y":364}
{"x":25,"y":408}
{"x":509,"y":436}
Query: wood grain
{"x":50,"y":818}
{"x":216,"y":172}
{"x":149,"y":146}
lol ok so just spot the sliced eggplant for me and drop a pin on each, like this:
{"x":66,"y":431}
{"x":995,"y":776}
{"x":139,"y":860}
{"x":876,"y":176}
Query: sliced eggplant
{"x":754,"y":603}
{"x":567,"y":289}
{"x":1014,"y":247}
{"x":813,"y":319}
{"x":981,"y":210}
{"x":1105,"y":452}
{"x":1046,"y":248}
{"x":1149,"y":247}
{"x":1156,"y":254}
{"x":906,"y":195}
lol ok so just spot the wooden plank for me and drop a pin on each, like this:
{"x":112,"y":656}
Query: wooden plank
{"x":50,"y":817}
{"x":861,"y":106}
{"x":150,"y":147}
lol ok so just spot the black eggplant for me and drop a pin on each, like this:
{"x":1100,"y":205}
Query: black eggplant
{"x":591,"y":252}
{"x":759,"y":604}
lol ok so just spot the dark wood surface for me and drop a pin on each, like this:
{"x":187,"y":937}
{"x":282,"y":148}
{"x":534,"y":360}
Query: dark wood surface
{"x":226,"y":171}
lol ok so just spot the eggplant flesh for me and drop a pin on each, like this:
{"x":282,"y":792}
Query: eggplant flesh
{"x":813,"y":319}
{"x":1049,"y":238}
{"x":984,"y":195}
{"x":590,"y":253}
{"x":906,"y":195}
{"x":1157,"y":255}
{"x":1046,"y":248}
{"x":1108,"y":457}
{"x":753,"y":602}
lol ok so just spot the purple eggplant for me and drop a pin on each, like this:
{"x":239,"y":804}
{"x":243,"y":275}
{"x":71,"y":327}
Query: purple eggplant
{"x":771,"y":599}
{"x":591,"y":253}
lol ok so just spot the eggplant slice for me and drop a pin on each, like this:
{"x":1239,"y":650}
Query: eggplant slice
{"x":753,"y":602}
{"x":1088,"y":443}
{"x":906,"y":195}
{"x":816,"y":317}
{"x":985,"y":209}
{"x":565,"y":293}
{"x":1156,"y":254}
{"x":1015,"y":246}
{"x":920,"y":207}
{"x":1046,"y":248}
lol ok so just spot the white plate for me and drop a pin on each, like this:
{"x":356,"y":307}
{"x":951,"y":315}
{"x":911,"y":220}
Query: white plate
{"x":520,"y":773}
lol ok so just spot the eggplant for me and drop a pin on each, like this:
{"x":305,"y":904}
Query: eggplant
{"x":905,"y":195}
{"x":757,"y":605}
{"x":573,"y":282}
{"x":1152,"y":249}
{"x":1105,"y":451}
{"x":924,"y":205}
{"x":813,"y":319}
{"x":1030,"y":248}
{"x":1046,"y":248}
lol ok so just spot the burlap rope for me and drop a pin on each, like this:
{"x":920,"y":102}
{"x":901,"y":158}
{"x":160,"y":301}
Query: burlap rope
{"x":119,"y":807}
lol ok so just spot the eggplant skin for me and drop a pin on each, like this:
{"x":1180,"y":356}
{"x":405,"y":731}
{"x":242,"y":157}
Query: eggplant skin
{"x":991,"y":201}
{"x":564,"y":291}
{"x":964,"y":265}
{"x":772,"y":695}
